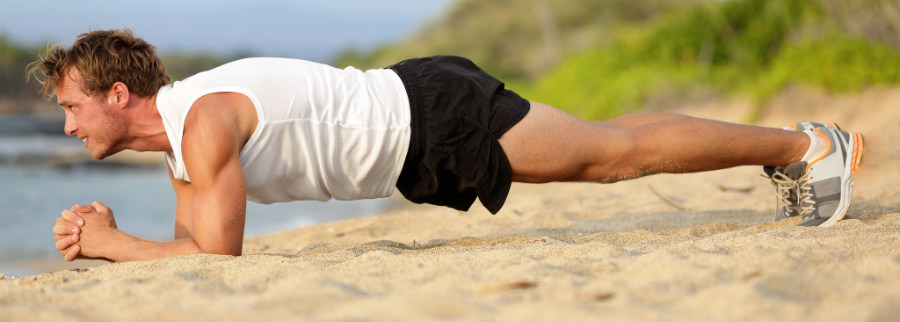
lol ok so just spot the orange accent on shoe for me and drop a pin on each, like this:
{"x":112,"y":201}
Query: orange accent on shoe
{"x":858,"y":143}
{"x":817,"y":132}
{"x":793,"y":126}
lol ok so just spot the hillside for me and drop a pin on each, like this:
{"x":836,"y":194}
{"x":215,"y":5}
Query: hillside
{"x":600,"y":59}
{"x":519,"y":39}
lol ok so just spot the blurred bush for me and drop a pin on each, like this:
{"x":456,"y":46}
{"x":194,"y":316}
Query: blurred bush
{"x":747,"y":47}
{"x":13,"y":89}
{"x":515,"y":39}
{"x":599,"y":59}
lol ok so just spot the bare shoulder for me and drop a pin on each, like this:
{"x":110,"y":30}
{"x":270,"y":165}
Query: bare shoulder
{"x":232,"y":111}
{"x":216,"y":129}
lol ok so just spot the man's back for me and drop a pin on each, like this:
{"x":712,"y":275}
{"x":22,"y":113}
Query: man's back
{"x":322,"y":133}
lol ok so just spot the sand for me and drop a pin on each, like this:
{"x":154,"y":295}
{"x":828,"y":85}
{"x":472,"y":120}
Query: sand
{"x":665,"y":247}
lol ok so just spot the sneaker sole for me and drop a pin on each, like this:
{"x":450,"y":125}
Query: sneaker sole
{"x":856,"y":145}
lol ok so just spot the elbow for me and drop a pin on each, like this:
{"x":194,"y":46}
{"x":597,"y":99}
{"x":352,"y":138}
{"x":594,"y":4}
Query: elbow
{"x":221,"y":251}
{"x":219,"y":242}
{"x":233,"y":251}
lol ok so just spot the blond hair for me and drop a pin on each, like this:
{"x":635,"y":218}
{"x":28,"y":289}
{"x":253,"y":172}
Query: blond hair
{"x":102,"y":57}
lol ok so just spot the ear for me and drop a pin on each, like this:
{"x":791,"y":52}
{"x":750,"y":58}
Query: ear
{"x":118,"y":95}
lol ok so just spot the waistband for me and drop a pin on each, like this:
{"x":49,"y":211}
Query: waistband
{"x":407,"y":75}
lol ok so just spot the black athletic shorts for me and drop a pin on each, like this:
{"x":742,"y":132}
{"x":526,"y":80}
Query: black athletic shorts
{"x":458,"y":114}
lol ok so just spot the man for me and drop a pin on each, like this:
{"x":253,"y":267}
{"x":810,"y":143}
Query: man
{"x":439,"y":129}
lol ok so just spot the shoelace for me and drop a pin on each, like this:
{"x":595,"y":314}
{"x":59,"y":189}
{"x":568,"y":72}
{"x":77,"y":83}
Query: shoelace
{"x":805,"y":201}
{"x":785,"y":190}
{"x":796,"y":194}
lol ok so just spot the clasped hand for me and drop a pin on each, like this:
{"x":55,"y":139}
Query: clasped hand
{"x":83,"y":230}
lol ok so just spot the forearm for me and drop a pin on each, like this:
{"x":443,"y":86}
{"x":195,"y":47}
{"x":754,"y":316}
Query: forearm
{"x":126,"y":247}
{"x":99,"y":237}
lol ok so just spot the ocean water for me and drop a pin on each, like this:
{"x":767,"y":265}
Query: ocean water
{"x":33,"y":194}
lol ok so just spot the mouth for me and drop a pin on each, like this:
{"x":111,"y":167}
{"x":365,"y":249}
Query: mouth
{"x":85,"y":140}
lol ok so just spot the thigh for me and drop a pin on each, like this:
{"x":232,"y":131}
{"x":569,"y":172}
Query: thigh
{"x":551,"y":145}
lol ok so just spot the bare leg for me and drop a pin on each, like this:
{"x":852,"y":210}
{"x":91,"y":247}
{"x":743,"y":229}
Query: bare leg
{"x":551,"y":145}
{"x":634,"y":120}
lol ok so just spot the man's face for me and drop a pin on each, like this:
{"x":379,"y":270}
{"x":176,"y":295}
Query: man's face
{"x":89,"y":117}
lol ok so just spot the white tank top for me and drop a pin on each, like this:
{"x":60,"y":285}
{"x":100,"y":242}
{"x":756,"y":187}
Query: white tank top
{"x":323,"y":132}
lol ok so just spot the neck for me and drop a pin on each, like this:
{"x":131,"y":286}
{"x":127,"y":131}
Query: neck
{"x":146,"y":128}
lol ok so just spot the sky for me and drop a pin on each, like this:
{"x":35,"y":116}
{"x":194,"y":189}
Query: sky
{"x":307,"y":29}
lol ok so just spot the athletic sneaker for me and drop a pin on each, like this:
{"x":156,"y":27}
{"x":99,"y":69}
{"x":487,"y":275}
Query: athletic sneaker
{"x":824,"y":187}
{"x":783,"y":179}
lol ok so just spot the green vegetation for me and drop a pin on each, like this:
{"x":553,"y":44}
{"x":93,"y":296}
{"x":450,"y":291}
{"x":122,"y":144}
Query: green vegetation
{"x":598,"y":59}
{"x":714,"y":47}
{"x":751,"y":47}
{"x":619,"y":56}
{"x":13,"y":60}
{"x":838,"y":63}
{"x":520,"y":40}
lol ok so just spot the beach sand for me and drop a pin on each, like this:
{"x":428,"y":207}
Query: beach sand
{"x":664,"y":247}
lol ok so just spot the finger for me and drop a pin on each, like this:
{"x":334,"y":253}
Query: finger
{"x":71,"y":217}
{"x":100,"y":206}
{"x":66,"y":229}
{"x":63,"y":252}
{"x":64,"y":243}
{"x":72,"y":253}
{"x":83,"y":208}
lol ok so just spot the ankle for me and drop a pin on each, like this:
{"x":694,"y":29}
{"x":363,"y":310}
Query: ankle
{"x":817,"y":147}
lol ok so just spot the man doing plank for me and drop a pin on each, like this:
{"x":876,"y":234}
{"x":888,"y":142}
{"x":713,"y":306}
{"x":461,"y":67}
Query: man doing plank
{"x":439,"y":129}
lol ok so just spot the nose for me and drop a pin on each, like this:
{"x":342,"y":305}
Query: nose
{"x":70,"y":126}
